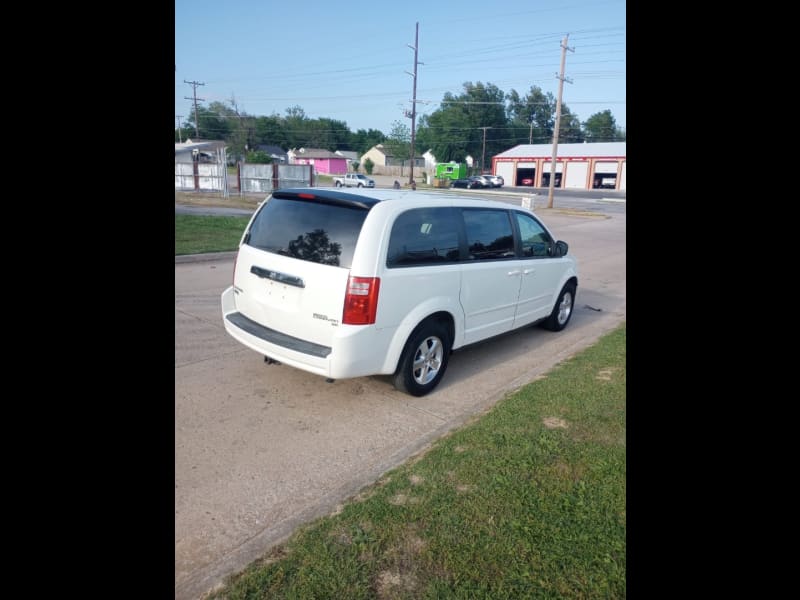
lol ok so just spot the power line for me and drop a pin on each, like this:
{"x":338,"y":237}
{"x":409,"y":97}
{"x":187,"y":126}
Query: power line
{"x":194,"y":84}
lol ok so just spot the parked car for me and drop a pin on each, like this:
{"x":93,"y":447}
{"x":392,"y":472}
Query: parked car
{"x":381,"y":281}
{"x":472,"y":182}
{"x":495,"y":180}
{"x":526,"y":181}
{"x":354,"y":180}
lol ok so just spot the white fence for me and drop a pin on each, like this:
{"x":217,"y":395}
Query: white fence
{"x":250,"y":178}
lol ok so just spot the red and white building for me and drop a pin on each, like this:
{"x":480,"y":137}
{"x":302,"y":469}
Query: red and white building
{"x":578,"y":166}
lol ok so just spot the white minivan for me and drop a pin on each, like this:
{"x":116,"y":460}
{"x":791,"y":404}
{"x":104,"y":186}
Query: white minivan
{"x":368,"y":282}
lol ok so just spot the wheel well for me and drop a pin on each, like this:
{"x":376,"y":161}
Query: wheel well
{"x":443,"y":318}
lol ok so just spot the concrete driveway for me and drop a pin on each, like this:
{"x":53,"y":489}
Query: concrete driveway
{"x":260,"y":449}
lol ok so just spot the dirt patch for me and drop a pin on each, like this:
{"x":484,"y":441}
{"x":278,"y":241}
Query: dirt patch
{"x":416,"y":479}
{"x":573,"y":472}
{"x":605,"y":374}
{"x":402,"y":499}
{"x":400,"y":578}
{"x":554,"y":423}
{"x":392,"y":585}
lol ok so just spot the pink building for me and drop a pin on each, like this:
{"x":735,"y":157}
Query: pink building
{"x":323,"y":161}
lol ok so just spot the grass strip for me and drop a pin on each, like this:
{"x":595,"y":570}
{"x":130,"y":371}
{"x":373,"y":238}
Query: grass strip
{"x":527,"y":501}
{"x":196,"y":234}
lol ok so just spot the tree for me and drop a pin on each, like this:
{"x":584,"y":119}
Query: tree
{"x":364,"y":139}
{"x":570,"y":131}
{"x":532,"y":116}
{"x":398,"y":143}
{"x":601,"y":127}
{"x":210,"y":126}
{"x":242,"y":130}
{"x":272,"y":131}
{"x":456,"y":130}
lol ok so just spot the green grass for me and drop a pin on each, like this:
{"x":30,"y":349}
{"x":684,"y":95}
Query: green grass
{"x":197,"y":234}
{"x":528,"y":501}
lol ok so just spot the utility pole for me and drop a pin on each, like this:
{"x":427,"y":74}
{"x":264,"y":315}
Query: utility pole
{"x":483,"y":155}
{"x":195,"y":84}
{"x":415,"y":48}
{"x":179,"y":128}
{"x":561,"y":78}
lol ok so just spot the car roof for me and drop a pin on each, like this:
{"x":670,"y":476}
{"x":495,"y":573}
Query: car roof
{"x":369,"y":197}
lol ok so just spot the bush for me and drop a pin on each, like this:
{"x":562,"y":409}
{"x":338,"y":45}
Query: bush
{"x":368,"y":166}
{"x":354,"y":165}
{"x":258,"y":157}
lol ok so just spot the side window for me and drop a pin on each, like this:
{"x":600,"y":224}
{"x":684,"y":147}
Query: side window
{"x":489,"y":234}
{"x":424,"y":236}
{"x":535,"y":240}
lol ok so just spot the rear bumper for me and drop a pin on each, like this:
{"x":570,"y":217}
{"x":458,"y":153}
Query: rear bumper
{"x":351,"y":354}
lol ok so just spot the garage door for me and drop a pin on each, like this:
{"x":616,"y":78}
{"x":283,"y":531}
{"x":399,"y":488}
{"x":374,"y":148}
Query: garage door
{"x":576,"y":175}
{"x":605,"y":175}
{"x":605,"y":167}
{"x":546,"y":167}
{"x":506,"y":171}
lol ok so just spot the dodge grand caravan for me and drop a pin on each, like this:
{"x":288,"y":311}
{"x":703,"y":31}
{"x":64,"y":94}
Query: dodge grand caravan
{"x":369,"y":282}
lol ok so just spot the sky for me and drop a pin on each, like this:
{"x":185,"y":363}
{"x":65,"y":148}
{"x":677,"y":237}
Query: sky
{"x":353,"y":62}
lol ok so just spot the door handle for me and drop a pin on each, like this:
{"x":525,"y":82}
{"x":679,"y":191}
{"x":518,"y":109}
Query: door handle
{"x":528,"y":271}
{"x":516,"y":272}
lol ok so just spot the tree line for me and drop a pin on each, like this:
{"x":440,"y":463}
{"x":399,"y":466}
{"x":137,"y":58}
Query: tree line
{"x":481,"y":114}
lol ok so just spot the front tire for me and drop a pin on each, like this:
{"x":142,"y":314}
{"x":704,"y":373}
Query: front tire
{"x":562,"y":311}
{"x":359,"y":185}
{"x":424,"y":359}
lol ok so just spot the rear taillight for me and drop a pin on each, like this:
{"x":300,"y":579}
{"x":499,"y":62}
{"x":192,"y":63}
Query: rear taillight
{"x":361,"y":300}
{"x":235,"y":259}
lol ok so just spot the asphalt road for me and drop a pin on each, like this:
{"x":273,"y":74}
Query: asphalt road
{"x":261,"y":449}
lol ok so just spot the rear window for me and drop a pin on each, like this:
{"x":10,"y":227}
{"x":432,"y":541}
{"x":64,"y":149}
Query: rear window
{"x":308,"y":229}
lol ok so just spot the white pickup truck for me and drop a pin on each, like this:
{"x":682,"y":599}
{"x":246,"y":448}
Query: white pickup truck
{"x":354,"y":180}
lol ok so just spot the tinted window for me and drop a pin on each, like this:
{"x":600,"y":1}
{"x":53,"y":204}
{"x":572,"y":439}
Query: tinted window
{"x":535,"y":240}
{"x":489,"y":234}
{"x":424,"y":236}
{"x":308,"y":230}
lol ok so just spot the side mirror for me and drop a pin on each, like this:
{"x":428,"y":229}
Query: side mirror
{"x":561,"y":249}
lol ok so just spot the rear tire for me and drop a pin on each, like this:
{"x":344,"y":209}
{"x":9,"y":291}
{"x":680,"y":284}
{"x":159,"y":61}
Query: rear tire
{"x":424,"y":359}
{"x":562,"y":311}
{"x":338,"y":184}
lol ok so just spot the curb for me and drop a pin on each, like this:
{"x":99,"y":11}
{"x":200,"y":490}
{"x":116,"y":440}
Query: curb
{"x":192,"y":258}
